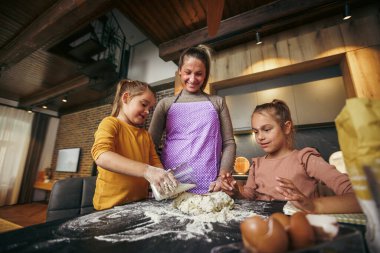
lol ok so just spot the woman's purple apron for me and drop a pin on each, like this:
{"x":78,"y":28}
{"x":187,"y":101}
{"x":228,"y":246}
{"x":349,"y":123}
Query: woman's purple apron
{"x":193,"y":136}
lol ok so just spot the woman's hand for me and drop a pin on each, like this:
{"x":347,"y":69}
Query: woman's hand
{"x":224,"y":182}
{"x":164,"y":181}
{"x":291,"y":193}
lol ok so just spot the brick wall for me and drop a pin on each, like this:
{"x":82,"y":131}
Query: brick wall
{"x":76,"y":130}
{"x":159,"y":95}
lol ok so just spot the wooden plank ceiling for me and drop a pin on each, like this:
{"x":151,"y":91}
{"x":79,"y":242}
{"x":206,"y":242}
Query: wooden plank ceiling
{"x":32,"y":75}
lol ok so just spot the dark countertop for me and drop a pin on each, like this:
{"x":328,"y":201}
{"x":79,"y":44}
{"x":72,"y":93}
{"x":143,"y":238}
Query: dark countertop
{"x":147,"y":226}
{"x":152,"y":226}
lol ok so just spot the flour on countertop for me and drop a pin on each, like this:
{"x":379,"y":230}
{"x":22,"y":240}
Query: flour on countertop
{"x":145,"y":220}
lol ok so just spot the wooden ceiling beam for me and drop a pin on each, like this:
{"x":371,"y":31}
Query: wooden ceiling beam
{"x":255,"y":18}
{"x":56,"y":91}
{"x":53,"y":25}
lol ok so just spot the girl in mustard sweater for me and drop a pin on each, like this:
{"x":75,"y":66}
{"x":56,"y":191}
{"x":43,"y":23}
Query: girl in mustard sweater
{"x":124,"y":151}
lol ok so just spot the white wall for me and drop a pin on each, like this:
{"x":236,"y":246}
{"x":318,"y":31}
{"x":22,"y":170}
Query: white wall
{"x":146,"y":65}
{"x":47,"y":154}
{"x":48,"y":149}
{"x":144,"y":62}
{"x":133,"y":36}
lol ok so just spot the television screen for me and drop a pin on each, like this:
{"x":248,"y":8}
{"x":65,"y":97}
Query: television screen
{"x":68,"y":159}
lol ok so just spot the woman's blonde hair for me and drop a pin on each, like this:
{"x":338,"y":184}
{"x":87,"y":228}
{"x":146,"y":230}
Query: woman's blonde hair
{"x":202,"y":53}
{"x":280,"y":111}
{"x":133,"y":87}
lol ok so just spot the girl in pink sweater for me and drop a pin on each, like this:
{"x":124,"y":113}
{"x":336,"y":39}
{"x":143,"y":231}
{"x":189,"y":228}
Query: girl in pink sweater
{"x":286,"y":173}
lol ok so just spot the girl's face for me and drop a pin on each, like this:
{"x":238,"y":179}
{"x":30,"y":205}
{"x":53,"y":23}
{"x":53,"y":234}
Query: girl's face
{"x":269,"y":134}
{"x":135,"y":110}
{"x":192,"y":73}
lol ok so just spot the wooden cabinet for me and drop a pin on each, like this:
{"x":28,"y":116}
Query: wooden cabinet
{"x":241,"y":108}
{"x":285,"y":94}
{"x":319,"y":101}
{"x":310,"y":102}
{"x":41,"y":185}
{"x":44,"y":187}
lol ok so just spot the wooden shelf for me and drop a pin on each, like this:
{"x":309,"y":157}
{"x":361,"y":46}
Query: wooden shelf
{"x":297,"y":127}
{"x":41,"y":185}
{"x":240,"y":176}
{"x":245,"y":131}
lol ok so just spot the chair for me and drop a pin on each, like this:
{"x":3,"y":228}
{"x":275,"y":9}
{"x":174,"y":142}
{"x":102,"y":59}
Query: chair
{"x":71,"y":197}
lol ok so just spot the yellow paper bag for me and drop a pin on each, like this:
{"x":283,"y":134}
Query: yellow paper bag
{"x":358,"y":127}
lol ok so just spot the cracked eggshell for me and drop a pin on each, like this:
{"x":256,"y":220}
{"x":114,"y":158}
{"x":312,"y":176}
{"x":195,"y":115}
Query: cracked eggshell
{"x":325,"y":227}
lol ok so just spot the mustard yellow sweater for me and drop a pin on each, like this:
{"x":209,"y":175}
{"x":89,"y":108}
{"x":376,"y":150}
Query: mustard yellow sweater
{"x":131,"y":142}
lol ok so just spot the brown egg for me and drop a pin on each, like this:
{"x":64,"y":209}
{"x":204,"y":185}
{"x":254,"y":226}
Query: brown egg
{"x":251,"y":231}
{"x":263,"y":235}
{"x":300,"y":231}
{"x":283,"y":219}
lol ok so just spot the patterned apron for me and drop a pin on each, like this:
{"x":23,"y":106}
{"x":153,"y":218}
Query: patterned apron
{"x":193,"y":136}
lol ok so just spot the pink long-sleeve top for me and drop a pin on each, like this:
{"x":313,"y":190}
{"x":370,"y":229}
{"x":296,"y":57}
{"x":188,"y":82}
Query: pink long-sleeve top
{"x":304,"y":167}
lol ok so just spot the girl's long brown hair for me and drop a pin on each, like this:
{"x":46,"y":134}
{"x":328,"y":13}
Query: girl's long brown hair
{"x":133,"y":87}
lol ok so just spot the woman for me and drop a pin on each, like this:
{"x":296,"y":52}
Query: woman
{"x":197,"y":126}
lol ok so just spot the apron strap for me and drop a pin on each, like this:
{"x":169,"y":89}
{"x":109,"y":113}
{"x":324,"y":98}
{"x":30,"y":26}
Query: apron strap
{"x":179,"y":94}
{"x":202,"y":92}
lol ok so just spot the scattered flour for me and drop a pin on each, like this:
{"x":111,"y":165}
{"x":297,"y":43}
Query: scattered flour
{"x":147,"y":219}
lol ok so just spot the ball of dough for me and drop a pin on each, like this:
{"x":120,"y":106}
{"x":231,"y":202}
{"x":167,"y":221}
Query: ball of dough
{"x":195,"y":204}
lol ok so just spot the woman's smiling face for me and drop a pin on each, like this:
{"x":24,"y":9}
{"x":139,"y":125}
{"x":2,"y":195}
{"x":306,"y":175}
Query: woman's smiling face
{"x":192,"y":73}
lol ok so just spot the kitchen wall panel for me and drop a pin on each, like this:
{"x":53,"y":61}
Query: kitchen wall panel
{"x":319,"y":101}
{"x":284,"y":93}
{"x":326,"y":38}
{"x":241,"y":108}
{"x":361,"y":32}
{"x":256,"y":56}
{"x":313,"y":97}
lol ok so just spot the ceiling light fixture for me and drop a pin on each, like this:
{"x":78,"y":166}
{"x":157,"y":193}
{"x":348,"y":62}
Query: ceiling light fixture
{"x":347,"y":12}
{"x":64,"y":99}
{"x":29,"y":110}
{"x":44,"y":106}
{"x":258,"y":40}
